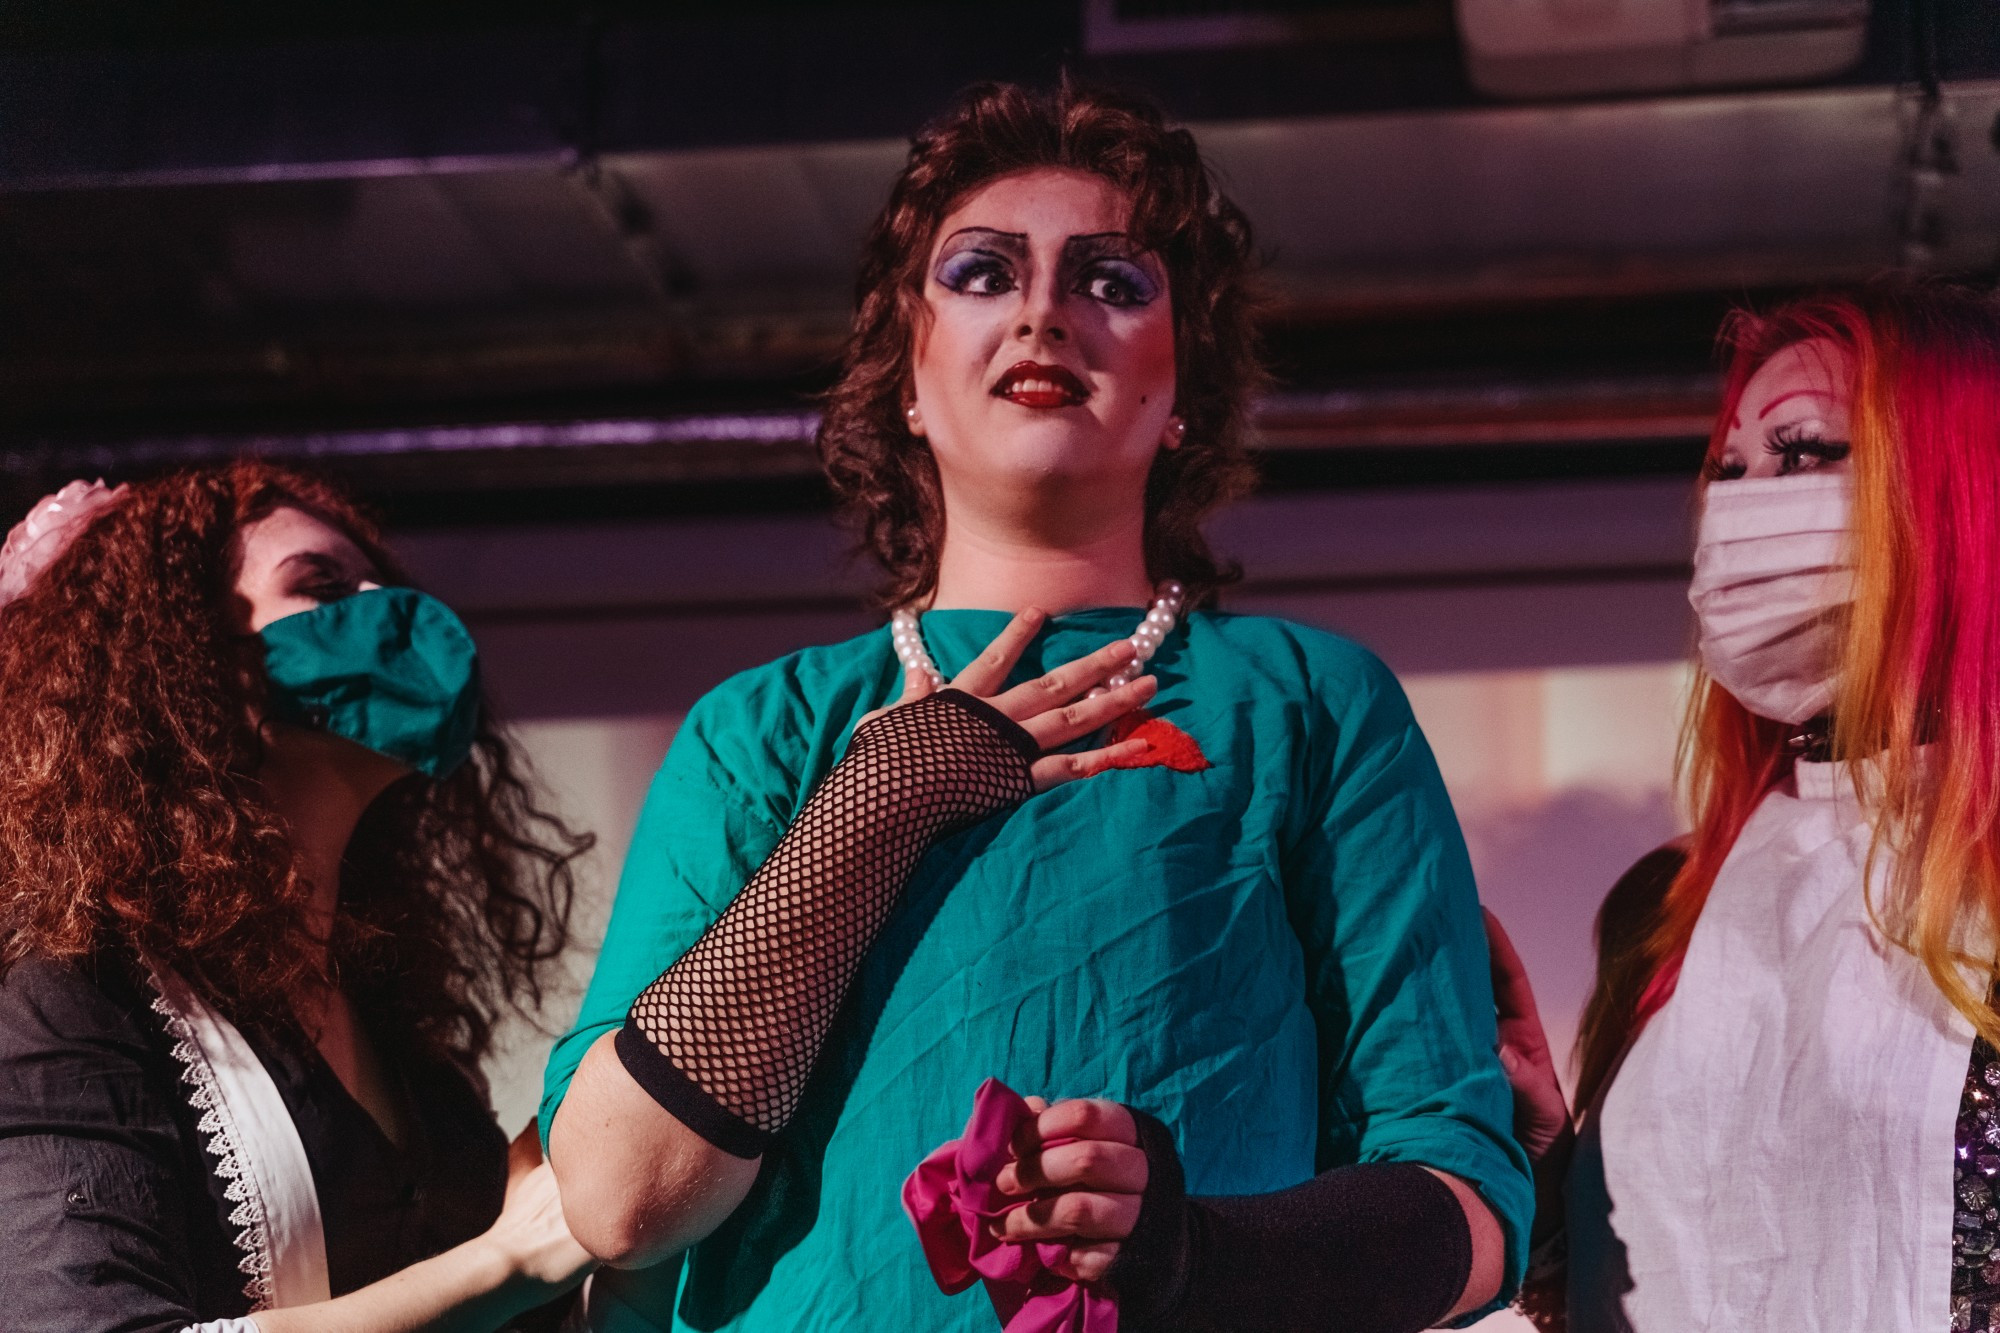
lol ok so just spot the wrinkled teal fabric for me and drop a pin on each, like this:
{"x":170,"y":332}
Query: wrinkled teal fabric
{"x":1281,"y":957}
{"x":390,"y":668}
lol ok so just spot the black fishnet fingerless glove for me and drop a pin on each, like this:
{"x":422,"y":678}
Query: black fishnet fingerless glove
{"x":1376,"y":1248}
{"x":726,"y":1036}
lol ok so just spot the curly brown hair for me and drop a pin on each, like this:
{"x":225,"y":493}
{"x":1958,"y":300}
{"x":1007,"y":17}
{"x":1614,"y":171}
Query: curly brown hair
{"x":131,"y":816}
{"x":886,"y":478}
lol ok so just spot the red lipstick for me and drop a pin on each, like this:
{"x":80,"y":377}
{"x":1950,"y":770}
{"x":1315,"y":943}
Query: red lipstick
{"x":1032,"y":384}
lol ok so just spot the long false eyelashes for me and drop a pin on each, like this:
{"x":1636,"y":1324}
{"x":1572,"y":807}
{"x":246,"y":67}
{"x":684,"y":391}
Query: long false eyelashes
{"x":975,"y":272}
{"x":1117,"y":282}
{"x":1797,"y":442}
{"x":1799,"y":447}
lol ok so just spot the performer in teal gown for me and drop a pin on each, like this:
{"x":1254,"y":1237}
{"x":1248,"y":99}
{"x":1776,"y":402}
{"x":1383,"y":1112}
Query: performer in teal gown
{"x":1263,"y":933}
{"x":1280,"y":955}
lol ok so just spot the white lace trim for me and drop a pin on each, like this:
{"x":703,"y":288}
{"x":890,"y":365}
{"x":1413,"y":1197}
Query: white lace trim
{"x":226,"y":1147}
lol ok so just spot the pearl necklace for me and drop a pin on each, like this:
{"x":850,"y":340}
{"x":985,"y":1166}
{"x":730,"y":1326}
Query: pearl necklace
{"x":908,"y":638}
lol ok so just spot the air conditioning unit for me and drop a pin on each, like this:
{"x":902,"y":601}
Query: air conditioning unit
{"x":1569,"y":48}
{"x":1127,"y":27}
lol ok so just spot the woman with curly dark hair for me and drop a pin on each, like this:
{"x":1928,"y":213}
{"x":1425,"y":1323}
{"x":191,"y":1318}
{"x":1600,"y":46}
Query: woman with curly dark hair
{"x":268,"y":878}
{"x":1251,"y":953}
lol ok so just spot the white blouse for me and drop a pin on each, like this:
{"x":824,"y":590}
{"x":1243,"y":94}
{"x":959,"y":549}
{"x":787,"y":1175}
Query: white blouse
{"x":1776,"y":1150}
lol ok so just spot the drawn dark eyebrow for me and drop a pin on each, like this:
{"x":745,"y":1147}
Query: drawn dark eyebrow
{"x":1095,"y":240}
{"x":1013,"y":240}
{"x":311,"y":558}
{"x":1100,"y":244}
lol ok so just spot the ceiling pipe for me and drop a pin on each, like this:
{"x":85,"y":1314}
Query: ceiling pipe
{"x":747,"y":445}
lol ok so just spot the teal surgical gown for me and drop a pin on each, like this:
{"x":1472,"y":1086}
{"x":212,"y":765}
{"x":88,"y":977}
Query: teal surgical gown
{"x":1280,"y":956}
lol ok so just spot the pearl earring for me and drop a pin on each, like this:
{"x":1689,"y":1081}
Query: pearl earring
{"x":1176,"y":433}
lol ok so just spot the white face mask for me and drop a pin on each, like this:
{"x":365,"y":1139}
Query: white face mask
{"x":1771,"y":588}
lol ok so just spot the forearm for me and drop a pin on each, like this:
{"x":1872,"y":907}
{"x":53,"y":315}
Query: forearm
{"x":1544,"y":1296}
{"x":637,"y":1185}
{"x":660,"y":1133}
{"x":1551,"y":1171}
{"x":726,"y":1037}
{"x":1376,"y":1248}
{"x":472,"y":1288}
{"x":1488,"y":1267}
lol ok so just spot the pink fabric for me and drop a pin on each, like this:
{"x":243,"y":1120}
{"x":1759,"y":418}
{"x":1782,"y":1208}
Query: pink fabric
{"x":951,"y":1197}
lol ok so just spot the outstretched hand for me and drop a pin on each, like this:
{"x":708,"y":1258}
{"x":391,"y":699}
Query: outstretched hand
{"x":1055,"y":708}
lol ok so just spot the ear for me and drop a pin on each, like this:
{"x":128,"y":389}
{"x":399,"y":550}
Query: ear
{"x":1175,"y":433}
{"x":914,"y":420}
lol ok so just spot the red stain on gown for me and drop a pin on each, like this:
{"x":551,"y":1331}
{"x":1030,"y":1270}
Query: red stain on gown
{"x":1166,"y":744}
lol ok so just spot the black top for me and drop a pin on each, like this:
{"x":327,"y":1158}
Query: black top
{"x":111,"y":1217}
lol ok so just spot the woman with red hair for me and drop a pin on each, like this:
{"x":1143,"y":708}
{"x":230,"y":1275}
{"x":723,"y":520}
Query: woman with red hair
{"x":268,"y":878}
{"x":1788,"y":1067}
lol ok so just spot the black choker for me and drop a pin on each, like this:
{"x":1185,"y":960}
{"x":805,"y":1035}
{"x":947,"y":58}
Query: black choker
{"x":1812,"y":740}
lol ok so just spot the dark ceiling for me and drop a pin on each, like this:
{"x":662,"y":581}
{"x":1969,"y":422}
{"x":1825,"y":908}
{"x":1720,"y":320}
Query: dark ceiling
{"x":496,"y":258}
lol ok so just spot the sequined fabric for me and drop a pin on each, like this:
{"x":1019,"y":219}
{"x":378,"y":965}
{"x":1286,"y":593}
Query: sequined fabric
{"x":1975,"y":1223}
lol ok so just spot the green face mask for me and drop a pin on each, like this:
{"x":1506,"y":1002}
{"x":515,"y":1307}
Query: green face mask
{"x":390,"y":668}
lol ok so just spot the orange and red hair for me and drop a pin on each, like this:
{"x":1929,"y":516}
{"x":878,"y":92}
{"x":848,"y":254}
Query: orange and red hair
{"x":1919,"y":683}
